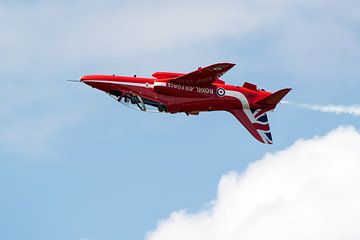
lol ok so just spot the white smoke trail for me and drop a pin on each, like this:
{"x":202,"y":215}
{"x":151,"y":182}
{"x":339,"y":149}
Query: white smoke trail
{"x":337,"y":109}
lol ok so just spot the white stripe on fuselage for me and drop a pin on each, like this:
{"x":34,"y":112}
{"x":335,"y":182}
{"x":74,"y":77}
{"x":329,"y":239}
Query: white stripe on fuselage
{"x":240,"y":96}
{"x":145,"y":85}
{"x":160,"y":84}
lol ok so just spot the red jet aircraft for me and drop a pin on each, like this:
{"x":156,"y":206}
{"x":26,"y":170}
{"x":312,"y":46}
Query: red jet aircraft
{"x":198,"y":91}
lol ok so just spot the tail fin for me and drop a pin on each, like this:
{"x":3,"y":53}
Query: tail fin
{"x":271,"y":101}
{"x":256,"y":122}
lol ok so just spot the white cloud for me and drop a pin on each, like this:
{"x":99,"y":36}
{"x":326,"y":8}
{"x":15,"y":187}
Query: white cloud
{"x":303,"y":39}
{"x":78,"y":31}
{"x":310,"y":190}
{"x":71,"y":32}
{"x":337,"y":109}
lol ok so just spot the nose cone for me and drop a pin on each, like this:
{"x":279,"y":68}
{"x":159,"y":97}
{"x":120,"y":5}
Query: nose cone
{"x":83,"y":78}
{"x":95,"y":81}
{"x":87,"y":79}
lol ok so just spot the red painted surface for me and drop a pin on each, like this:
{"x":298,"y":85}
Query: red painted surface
{"x":198,"y":91}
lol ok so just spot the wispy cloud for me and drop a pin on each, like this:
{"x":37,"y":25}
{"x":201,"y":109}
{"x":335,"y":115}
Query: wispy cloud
{"x":337,"y":109}
{"x":50,"y":32}
{"x":69,"y":32}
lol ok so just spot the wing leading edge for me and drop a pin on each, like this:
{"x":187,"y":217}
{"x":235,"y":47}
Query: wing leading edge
{"x":205,"y":75}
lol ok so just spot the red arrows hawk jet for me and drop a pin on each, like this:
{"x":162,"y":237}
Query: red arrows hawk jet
{"x":191,"y":93}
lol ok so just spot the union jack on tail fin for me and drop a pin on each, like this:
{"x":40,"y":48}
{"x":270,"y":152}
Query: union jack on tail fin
{"x":256,"y":122}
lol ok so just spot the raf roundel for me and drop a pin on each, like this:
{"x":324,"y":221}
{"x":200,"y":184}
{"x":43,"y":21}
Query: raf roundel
{"x":220,"y":92}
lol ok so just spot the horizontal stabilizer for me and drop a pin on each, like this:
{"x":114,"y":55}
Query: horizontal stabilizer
{"x":273,"y":99}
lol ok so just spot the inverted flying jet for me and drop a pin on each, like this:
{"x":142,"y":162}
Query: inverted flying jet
{"x":199,"y":91}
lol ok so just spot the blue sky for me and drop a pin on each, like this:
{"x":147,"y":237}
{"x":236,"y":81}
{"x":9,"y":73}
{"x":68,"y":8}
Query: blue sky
{"x":76,"y":165}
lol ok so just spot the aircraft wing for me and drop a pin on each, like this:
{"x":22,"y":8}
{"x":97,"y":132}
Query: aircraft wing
{"x":205,"y":75}
{"x":256,"y":122}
